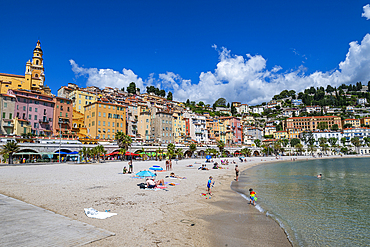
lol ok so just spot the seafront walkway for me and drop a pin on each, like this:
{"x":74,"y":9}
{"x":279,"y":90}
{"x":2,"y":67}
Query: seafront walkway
{"x":23,"y":224}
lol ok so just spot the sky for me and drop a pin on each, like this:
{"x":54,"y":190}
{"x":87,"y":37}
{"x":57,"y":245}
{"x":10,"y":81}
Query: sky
{"x":241,"y":50}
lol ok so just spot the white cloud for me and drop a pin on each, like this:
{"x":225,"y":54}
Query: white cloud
{"x":366,"y":13}
{"x":107,"y":77}
{"x":241,"y":78}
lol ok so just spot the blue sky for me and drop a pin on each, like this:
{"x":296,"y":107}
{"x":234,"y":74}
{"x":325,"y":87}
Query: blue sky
{"x":243,"y":51}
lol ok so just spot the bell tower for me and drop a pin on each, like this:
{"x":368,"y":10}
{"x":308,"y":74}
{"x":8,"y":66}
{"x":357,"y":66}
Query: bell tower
{"x":37,"y":66}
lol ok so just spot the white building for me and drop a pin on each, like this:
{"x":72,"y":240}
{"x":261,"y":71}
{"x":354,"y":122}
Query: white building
{"x":198,"y":127}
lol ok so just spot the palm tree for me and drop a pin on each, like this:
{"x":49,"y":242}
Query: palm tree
{"x":179,"y":152}
{"x":9,"y":149}
{"x":221,"y":146}
{"x":299,"y":148}
{"x":122,"y":152}
{"x":343,"y":141}
{"x":257,"y":142}
{"x":170,"y":150}
{"x":99,"y":150}
{"x":192,"y":148}
{"x":84,"y":152}
{"x":123,"y":140}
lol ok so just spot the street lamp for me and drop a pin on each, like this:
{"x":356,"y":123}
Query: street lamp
{"x":60,"y":136}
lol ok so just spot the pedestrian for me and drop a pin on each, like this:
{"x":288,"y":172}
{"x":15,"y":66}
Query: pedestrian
{"x":252,"y":197}
{"x":170,"y":163}
{"x":167,"y":165}
{"x":237,"y":173}
{"x":130,"y":168}
{"x":210,"y":185}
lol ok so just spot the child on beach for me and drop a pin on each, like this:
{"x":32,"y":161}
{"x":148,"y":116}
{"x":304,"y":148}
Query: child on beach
{"x":210,"y":185}
{"x":253,"y":197}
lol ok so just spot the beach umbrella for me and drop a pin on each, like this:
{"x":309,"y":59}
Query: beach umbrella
{"x":145,"y":174}
{"x":208,"y":157}
{"x":131,"y":154}
{"x":156,"y":168}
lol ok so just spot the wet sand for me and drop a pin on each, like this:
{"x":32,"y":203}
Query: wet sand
{"x":177,"y":216}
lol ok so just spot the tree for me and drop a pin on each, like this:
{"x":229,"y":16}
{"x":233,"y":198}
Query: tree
{"x":322,"y":126}
{"x":84,"y":152}
{"x":179,"y":152}
{"x":221,"y":146}
{"x":334,"y":127}
{"x":308,"y":138}
{"x":123,"y":140}
{"x":9,"y":149}
{"x":169,"y":96}
{"x":356,"y":142}
{"x":220,"y":102}
{"x":285,"y":142}
{"x":162,"y":93}
{"x":343,"y":140}
{"x":347,"y":126}
{"x":170,"y":150}
{"x":233,"y":110}
{"x":99,"y":150}
{"x":299,"y":148}
{"x":122,"y":153}
{"x":246,"y":152}
{"x":132,"y":88}
{"x":344,"y":150}
{"x":367,"y":140}
{"x":294,"y":142}
{"x":192,"y":148}
{"x":257,"y":142}
{"x":332,"y":141}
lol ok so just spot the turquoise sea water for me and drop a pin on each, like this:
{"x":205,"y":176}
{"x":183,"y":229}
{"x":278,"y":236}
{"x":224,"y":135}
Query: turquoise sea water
{"x":332,"y":211}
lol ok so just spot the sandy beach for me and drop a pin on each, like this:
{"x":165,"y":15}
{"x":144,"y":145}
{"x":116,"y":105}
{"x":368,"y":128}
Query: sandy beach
{"x":177,"y":216}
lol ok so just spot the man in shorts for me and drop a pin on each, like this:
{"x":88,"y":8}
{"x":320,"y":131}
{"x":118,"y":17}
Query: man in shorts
{"x":237,"y":173}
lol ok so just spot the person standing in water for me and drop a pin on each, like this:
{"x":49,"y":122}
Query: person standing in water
{"x":319,"y":176}
{"x":253,"y":197}
{"x":237,"y":173}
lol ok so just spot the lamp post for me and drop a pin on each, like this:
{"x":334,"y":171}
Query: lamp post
{"x":60,"y":136}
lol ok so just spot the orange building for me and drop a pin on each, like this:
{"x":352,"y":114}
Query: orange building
{"x":62,"y":119}
{"x":103,"y":120}
{"x":311,"y":123}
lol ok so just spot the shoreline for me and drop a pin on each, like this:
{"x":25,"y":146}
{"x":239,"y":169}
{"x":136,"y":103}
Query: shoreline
{"x":178,"y":216}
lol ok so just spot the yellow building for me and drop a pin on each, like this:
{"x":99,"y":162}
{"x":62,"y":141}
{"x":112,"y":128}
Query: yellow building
{"x":33,"y":79}
{"x":352,"y":121}
{"x":78,"y":124}
{"x":143,"y":124}
{"x":81,"y":98}
{"x":365,"y":121}
{"x":280,"y":134}
{"x":21,"y":126}
{"x":178,"y":127}
{"x":293,"y":133}
{"x":104,"y":120}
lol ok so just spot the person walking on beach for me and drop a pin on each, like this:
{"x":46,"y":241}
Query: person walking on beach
{"x":210,"y":185}
{"x":237,"y":173}
{"x":253,"y":197}
{"x":130,"y":169}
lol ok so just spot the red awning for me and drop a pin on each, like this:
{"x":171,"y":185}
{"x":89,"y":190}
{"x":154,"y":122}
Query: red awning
{"x":131,"y":154}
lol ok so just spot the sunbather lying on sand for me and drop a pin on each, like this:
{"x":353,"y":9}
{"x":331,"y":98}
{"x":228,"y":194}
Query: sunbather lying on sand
{"x":150,"y":183}
{"x":203,"y":167}
{"x":172,"y":175}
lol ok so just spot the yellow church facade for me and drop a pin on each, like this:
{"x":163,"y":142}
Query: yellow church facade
{"x":33,"y":79}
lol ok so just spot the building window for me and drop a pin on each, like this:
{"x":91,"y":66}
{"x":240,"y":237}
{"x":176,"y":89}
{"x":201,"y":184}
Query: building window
{"x":99,"y":114}
{"x":66,"y":114}
{"x":60,"y":114}
{"x":103,"y":123}
{"x":30,"y":117}
{"x":93,"y":123}
{"x":35,"y":109}
{"x":99,"y":123}
{"x":104,"y":114}
{"x":24,"y":108}
{"x":35,"y":117}
{"x":10,"y":116}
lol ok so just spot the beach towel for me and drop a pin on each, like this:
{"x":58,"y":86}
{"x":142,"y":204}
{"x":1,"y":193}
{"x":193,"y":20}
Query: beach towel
{"x":155,"y":189}
{"x":172,"y":184}
{"x":92,"y":213}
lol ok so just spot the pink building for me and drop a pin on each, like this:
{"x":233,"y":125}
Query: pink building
{"x":233,"y":124}
{"x":37,"y":108}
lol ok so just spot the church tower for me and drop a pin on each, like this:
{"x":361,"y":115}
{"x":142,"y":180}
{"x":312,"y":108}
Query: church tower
{"x":35,"y":75}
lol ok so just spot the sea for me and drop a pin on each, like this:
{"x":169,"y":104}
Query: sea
{"x":330,"y":211}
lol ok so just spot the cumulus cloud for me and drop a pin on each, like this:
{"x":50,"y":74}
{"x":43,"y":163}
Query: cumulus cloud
{"x":240,"y":78}
{"x":366,"y":12}
{"x":107,"y":77}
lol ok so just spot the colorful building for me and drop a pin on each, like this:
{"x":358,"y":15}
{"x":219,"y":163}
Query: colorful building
{"x":33,"y":79}
{"x":311,"y":123}
{"x":353,"y":122}
{"x":81,"y":98}
{"x":103,"y":120}
{"x":37,"y":108}
{"x":178,"y":127}
{"x":62,"y":120}
{"x":281,"y":134}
